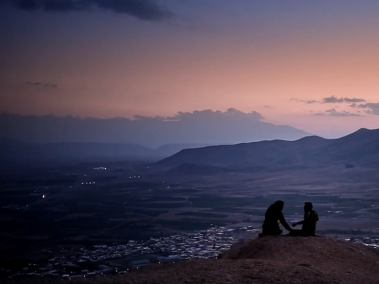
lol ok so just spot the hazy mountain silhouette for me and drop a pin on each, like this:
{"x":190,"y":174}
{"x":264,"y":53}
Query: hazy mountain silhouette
{"x":171,"y":149}
{"x":199,"y":127}
{"x":13,"y":151}
{"x":361,"y":147}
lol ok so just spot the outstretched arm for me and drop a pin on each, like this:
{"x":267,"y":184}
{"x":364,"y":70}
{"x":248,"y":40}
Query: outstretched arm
{"x":284,"y":223}
{"x":298,"y":223}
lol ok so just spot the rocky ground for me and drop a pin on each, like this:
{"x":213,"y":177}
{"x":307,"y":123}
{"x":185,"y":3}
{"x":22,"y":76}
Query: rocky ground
{"x":313,"y":260}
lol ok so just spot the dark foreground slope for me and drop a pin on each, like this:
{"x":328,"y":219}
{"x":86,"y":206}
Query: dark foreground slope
{"x":360,"y":148}
{"x":317,"y":260}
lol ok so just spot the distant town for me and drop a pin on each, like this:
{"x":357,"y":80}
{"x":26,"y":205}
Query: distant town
{"x":99,"y":260}
{"x":78,"y":262}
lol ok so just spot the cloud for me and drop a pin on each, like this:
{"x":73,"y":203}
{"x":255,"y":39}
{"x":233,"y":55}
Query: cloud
{"x":370,"y":108}
{"x":310,"y":101}
{"x":304,"y":101}
{"x":206,"y":115}
{"x":230,"y":113}
{"x":45,"y":85}
{"x":333,"y":99}
{"x":330,"y":100}
{"x":200,"y":126}
{"x":142,"y":9}
{"x":334,"y":112}
{"x":354,"y":100}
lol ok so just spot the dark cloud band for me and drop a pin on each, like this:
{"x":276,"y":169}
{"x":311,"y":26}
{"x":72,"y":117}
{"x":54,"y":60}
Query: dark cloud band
{"x":334,"y":99}
{"x":330,"y":100}
{"x":370,"y":108}
{"x":229,"y":114}
{"x":142,"y":9}
{"x":197,"y":127}
{"x":46,"y":85}
{"x":334,"y":112}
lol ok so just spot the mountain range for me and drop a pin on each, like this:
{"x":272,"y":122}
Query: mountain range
{"x":199,"y":127}
{"x":12,"y":151}
{"x":359,"y":148}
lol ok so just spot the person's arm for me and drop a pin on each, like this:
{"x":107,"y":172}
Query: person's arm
{"x":298,"y":223}
{"x":316,"y":216}
{"x":284,"y":222}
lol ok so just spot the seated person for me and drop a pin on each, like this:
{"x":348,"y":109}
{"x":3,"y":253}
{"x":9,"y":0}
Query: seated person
{"x":273,"y":217}
{"x":309,"y":222}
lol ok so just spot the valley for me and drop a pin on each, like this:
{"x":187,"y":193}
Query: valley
{"x":110,"y":203}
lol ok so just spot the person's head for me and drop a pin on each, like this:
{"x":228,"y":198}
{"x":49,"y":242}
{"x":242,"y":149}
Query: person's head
{"x":308,"y":206}
{"x":279,"y":204}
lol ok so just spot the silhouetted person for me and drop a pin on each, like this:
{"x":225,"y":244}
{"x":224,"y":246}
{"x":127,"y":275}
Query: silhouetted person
{"x":273,"y":217}
{"x":309,"y":222}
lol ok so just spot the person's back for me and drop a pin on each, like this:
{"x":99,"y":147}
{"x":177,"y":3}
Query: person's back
{"x":310,"y":221}
{"x":273,"y":216}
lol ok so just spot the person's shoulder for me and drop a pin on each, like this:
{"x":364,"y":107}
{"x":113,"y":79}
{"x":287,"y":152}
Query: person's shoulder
{"x":314,"y":215}
{"x":271,"y":208}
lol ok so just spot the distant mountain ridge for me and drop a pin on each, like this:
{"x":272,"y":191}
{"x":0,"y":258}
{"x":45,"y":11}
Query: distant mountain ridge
{"x":360,"y":147}
{"x":16,"y":151}
{"x":199,"y":127}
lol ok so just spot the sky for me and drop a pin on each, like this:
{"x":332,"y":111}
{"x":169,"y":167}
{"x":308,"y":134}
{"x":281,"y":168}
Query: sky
{"x":312,"y":65}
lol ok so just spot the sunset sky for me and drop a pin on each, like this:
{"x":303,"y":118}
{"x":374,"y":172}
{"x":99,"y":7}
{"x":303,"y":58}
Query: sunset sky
{"x":310,"y":64}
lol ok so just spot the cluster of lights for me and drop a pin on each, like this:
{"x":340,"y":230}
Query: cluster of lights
{"x":89,"y":182}
{"x":100,"y":168}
